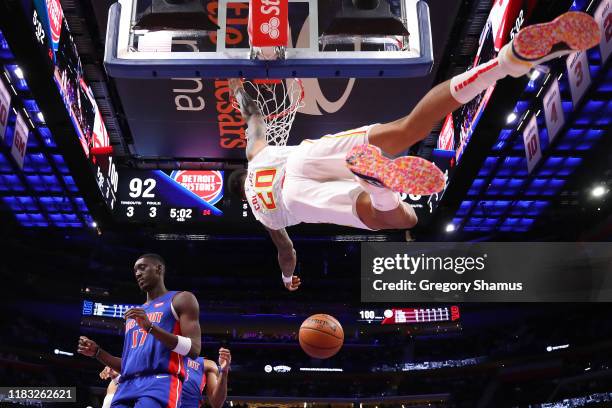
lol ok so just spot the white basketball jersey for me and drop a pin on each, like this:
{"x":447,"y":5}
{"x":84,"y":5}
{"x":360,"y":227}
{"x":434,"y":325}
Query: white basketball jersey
{"x":264,"y":187}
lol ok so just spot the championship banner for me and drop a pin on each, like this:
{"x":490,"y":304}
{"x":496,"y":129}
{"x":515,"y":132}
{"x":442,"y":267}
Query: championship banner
{"x":578,"y":75}
{"x":269,"y":23}
{"x":603,"y":16}
{"x":553,"y":111}
{"x":531,"y":138}
{"x":5,"y":106}
{"x":20,"y":140}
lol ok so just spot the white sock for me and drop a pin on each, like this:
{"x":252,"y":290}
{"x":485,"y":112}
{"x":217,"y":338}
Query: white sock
{"x":465,"y":87}
{"x":382,"y":198}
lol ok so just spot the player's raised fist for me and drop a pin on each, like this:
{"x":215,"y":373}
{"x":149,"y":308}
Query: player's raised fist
{"x":87,"y":347}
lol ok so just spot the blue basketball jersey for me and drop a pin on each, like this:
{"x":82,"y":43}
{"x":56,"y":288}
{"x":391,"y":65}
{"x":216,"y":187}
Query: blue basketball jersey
{"x":143,"y":354}
{"x":195,"y":381}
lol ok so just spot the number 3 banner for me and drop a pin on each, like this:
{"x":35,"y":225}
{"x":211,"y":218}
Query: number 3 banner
{"x":5,"y":106}
{"x":531,"y":137}
{"x":579,"y":75}
{"x":603,"y":16}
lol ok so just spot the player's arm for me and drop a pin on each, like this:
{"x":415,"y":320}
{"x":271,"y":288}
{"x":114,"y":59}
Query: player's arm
{"x":216,"y":378}
{"x":109,"y":373}
{"x":189,"y":343}
{"x":90,"y":348}
{"x":287,"y":258}
{"x":256,"y":127}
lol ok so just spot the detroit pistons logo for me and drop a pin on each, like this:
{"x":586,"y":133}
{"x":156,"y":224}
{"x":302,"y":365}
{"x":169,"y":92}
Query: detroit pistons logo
{"x":55,"y":20}
{"x":271,"y":28}
{"x":206,"y":184}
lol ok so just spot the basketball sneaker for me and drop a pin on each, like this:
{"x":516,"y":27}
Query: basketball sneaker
{"x":570,"y":32}
{"x":407,"y":174}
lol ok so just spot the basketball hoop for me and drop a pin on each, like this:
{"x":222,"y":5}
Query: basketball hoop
{"x":278,"y":100}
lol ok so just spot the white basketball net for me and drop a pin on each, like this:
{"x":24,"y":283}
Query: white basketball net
{"x":278,"y":101}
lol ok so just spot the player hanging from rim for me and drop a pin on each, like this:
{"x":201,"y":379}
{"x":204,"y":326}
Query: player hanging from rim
{"x":158,"y":338}
{"x":344,"y":178}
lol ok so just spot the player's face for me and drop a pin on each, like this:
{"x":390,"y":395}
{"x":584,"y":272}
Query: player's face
{"x":147,"y":273}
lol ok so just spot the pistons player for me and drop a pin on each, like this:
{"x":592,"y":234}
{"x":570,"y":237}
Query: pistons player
{"x":203,"y":373}
{"x":346,"y":179}
{"x":158,"y":338}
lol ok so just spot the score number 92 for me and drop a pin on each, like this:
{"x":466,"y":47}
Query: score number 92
{"x":142,"y":189}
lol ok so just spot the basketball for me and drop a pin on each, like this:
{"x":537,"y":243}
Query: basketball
{"x":321,"y":336}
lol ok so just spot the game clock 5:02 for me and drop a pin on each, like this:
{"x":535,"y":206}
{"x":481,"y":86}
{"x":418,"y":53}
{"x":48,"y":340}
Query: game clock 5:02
{"x":181,"y":214}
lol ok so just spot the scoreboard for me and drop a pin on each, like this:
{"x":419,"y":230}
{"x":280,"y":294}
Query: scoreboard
{"x":105,"y":309}
{"x":411,"y":315}
{"x":177,"y":197}
{"x":58,"y":49}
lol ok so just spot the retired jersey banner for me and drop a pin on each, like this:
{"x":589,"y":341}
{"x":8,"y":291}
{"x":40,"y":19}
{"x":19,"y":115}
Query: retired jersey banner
{"x":603,"y":16}
{"x":5,"y":106}
{"x":531,"y":138}
{"x":578,"y":75}
{"x":553,"y":111}
{"x":20,"y":140}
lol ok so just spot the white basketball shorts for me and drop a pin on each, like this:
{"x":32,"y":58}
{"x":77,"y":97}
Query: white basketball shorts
{"x":318,"y":186}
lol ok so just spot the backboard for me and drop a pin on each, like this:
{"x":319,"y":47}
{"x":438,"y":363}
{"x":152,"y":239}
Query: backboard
{"x":311,"y":51}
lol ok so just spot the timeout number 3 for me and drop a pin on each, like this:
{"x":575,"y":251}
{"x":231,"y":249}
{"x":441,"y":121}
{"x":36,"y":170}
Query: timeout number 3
{"x":264,"y":180}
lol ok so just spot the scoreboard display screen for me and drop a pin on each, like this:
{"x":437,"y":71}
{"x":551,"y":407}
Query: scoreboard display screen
{"x":411,"y":315}
{"x":177,"y":197}
{"x":99,"y":309}
{"x":50,"y":28}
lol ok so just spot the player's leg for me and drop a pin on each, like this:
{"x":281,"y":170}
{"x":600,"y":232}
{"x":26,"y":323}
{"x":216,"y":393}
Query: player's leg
{"x":340,"y":202}
{"x":318,"y":188}
{"x":402,"y":216}
{"x":395,"y":137}
{"x":149,"y":402}
{"x":531,"y":46}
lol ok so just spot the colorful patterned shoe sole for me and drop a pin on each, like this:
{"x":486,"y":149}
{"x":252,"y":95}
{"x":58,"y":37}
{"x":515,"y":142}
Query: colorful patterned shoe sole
{"x":573,"y":29}
{"x":409,"y":174}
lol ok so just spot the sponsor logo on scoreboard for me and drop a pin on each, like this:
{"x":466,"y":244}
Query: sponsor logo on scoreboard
{"x":55,"y":21}
{"x":206,"y":184}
